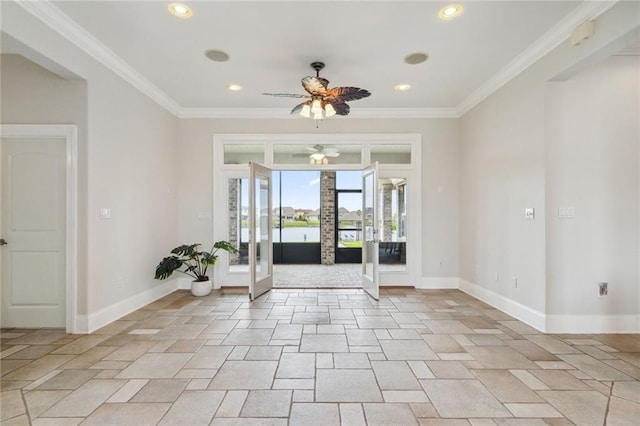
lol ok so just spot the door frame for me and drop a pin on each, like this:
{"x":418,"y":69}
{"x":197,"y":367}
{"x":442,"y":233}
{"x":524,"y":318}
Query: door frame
{"x":70,"y":133}
{"x":223,"y":171}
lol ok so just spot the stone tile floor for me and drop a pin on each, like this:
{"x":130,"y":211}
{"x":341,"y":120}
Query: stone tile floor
{"x":319,"y":357}
{"x":342,"y":275}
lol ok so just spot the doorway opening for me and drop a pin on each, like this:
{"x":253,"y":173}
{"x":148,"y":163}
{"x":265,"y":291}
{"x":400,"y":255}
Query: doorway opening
{"x":315,"y":244}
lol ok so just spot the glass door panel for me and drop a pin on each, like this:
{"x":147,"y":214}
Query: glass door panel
{"x":370,"y":278}
{"x":260,"y":222}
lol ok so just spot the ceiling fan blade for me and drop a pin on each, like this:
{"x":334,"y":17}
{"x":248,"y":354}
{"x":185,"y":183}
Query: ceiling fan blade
{"x":315,"y":85}
{"x":332,"y":154}
{"x":340,"y":107}
{"x":312,"y":148}
{"x":345,"y":94}
{"x":286,"y":95}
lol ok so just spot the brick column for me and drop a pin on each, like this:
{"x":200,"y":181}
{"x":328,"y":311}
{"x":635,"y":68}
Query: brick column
{"x":234,"y":218}
{"x":387,"y":218}
{"x":327,"y":217}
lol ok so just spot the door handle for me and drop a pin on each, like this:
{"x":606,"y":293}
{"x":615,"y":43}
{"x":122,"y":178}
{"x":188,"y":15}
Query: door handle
{"x":3,"y":242}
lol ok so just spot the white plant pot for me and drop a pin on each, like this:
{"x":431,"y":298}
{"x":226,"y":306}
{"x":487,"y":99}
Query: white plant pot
{"x":200,"y":288}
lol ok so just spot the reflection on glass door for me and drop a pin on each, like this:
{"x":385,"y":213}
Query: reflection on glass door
{"x":260,"y":222}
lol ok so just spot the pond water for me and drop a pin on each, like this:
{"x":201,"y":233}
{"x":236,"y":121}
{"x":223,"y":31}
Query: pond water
{"x":290,"y":235}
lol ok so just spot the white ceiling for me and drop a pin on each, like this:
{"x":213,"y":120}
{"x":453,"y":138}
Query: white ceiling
{"x":271,"y":45}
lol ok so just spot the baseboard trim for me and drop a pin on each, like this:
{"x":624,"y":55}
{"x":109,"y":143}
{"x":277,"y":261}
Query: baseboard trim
{"x":535,"y":319}
{"x":437,"y":283}
{"x":592,"y":324}
{"x":117,"y":310}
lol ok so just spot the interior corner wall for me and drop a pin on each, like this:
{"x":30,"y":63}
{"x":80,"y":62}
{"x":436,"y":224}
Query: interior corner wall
{"x":501,"y":174}
{"x":593,"y":133}
{"x":439,"y":186}
{"x":503,"y":170}
{"x":128,"y":166}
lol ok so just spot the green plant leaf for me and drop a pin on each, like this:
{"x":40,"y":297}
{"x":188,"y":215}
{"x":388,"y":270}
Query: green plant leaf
{"x":186,"y":250}
{"x":167,"y":266}
{"x":225,"y":245}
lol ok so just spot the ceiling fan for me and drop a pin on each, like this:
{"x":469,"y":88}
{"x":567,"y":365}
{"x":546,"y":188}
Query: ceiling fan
{"x":323,"y":102}
{"x":319,"y":154}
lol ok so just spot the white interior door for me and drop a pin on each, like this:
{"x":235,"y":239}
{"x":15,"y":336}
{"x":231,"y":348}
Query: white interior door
{"x":371,"y":242}
{"x":33,"y":229}
{"x":260,"y":223}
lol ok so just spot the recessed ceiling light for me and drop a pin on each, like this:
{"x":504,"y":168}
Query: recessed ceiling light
{"x":402,"y":87}
{"x":234,"y":87}
{"x":450,"y":11}
{"x":180,"y":10}
{"x":416,"y":58}
{"x":216,"y":55}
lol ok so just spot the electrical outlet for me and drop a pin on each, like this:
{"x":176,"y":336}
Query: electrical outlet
{"x":603,"y":289}
{"x":119,"y":282}
{"x":514,"y":282}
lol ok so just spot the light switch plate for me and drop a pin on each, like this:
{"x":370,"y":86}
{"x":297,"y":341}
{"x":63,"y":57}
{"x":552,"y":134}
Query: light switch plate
{"x":529,"y":213}
{"x":105,"y":213}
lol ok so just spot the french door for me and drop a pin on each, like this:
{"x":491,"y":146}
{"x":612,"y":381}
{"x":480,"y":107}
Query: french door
{"x":370,"y":238}
{"x":260,"y":224}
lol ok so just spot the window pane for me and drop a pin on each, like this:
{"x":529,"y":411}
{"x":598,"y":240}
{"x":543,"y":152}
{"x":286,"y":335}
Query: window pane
{"x":391,"y":154}
{"x":392,"y":223}
{"x":349,"y":210}
{"x":243,"y":154}
{"x":349,"y":179}
{"x":298,"y":214}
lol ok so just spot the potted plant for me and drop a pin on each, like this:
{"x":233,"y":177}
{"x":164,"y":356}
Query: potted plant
{"x":194,"y":262}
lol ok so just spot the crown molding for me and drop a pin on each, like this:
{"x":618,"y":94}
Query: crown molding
{"x":53,"y":17}
{"x":285,"y":113}
{"x":587,"y":11}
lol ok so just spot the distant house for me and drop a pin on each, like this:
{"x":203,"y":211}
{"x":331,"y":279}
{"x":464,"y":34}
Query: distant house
{"x":302,"y":214}
{"x":285,"y":214}
{"x":314,"y":216}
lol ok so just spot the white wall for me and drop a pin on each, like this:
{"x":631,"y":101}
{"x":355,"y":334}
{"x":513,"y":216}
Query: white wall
{"x":130,"y":145}
{"x":503,"y":165}
{"x":592,"y":141}
{"x":439,"y":168}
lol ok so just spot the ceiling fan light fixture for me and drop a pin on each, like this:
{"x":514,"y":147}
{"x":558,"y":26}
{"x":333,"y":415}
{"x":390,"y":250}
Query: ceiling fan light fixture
{"x":306,"y":111}
{"x":329,"y":110}
{"x":318,"y":156}
{"x":316,"y":107}
{"x":320,"y":100}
